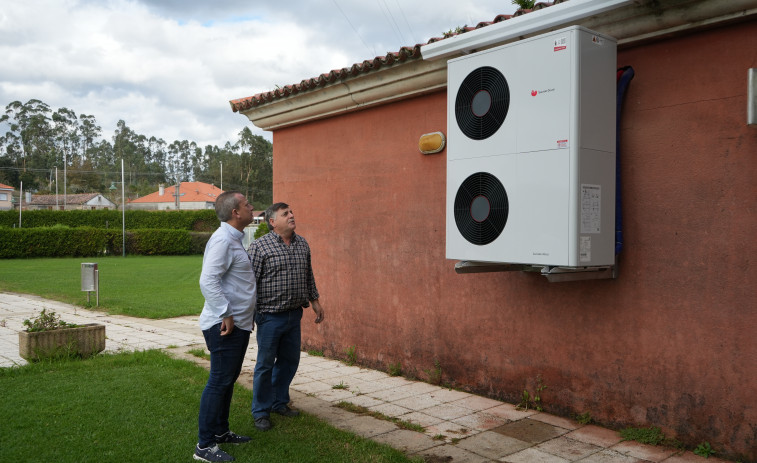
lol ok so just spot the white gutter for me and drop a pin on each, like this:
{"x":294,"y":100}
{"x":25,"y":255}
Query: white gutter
{"x":536,"y":21}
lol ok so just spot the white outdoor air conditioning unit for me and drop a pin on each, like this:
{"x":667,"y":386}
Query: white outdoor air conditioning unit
{"x":531,"y":152}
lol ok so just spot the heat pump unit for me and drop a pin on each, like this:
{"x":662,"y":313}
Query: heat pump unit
{"x":531,"y":152}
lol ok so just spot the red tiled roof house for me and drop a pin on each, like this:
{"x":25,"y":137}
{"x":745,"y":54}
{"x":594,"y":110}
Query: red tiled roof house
{"x":193,"y":196}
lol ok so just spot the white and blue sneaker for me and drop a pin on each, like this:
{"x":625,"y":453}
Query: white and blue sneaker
{"x":211,"y":454}
{"x":230,"y":437}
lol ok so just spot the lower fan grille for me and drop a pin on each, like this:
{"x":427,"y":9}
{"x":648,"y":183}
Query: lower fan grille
{"x":481,"y":208}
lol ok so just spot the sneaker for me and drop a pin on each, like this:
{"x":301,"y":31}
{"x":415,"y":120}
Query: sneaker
{"x":230,"y":437}
{"x":263,"y":423}
{"x":286,"y":411}
{"x":211,"y":454}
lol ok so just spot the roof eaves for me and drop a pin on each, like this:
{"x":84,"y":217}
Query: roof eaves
{"x":403,"y":55}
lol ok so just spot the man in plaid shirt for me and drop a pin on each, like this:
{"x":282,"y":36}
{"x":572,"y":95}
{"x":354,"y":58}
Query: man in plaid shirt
{"x":285,"y":285}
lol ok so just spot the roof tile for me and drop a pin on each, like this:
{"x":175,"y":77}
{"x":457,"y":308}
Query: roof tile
{"x":404,"y":54}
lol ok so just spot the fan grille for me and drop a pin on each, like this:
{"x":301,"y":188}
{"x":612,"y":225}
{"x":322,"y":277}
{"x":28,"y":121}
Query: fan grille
{"x":482,"y":102}
{"x":481,"y":208}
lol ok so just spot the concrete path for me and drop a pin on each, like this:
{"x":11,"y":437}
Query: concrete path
{"x":460,"y":427}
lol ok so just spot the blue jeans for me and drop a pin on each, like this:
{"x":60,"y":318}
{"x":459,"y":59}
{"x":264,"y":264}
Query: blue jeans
{"x":278,"y":339}
{"x":226,"y":356}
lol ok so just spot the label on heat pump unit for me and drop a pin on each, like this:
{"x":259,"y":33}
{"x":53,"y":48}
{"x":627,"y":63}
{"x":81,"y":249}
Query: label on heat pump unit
{"x":591,"y":197}
{"x":584,"y":252}
{"x":561,"y":43}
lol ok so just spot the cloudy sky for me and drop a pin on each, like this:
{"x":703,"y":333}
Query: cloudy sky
{"x":168,"y":68}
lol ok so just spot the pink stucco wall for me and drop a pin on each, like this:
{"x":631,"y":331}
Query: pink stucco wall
{"x":671,"y":343}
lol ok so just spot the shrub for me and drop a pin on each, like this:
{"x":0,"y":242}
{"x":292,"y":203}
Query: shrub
{"x":46,"y":321}
{"x":87,"y":241}
{"x":202,"y":220}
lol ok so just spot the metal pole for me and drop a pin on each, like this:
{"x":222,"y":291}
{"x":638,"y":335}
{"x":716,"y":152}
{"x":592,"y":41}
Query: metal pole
{"x":65,"y":198}
{"x":123,"y":213}
{"x":56,"y":188}
{"x":20,"y":203}
{"x":97,"y":288}
{"x":221,"y":174}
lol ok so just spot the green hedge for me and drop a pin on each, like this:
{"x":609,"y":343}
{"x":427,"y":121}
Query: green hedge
{"x":201,"y":221}
{"x":89,"y":242}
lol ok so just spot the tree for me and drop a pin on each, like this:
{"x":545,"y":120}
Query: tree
{"x":525,"y":4}
{"x":37,"y":140}
{"x":29,"y":137}
{"x":255,"y":170}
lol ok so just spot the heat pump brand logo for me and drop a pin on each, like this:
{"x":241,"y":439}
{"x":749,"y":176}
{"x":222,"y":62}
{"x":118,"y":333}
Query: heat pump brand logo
{"x":540,"y":92}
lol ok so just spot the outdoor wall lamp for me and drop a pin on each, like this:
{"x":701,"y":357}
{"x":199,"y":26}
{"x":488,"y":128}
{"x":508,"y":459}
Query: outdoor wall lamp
{"x":431,"y":143}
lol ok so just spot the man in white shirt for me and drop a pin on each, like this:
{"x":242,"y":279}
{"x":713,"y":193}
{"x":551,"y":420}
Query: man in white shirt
{"x":228,"y":284}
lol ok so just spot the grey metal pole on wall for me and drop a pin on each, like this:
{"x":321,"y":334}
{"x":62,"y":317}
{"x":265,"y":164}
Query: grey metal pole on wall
{"x":123,"y":213}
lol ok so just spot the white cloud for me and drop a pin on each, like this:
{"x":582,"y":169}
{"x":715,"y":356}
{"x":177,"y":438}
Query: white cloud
{"x":169,"y":67}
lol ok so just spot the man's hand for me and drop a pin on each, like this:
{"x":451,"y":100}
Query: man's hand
{"x":318,"y":311}
{"x":227,"y":325}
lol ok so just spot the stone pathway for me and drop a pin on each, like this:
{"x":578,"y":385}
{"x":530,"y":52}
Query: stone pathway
{"x":459,"y":427}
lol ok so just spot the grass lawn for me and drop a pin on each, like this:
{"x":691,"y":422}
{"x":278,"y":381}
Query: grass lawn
{"x":140,"y":286}
{"x":143,"y":406}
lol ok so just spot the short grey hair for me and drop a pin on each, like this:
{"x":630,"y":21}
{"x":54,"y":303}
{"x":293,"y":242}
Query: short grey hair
{"x":227,"y":202}
{"x":270,"y":213}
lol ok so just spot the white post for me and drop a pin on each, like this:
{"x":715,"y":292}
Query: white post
{"x":221,"y":174}
{"x":65,"y":199}
{"x":20,"y":202}
{"x":56,"y":188}
{"x":123,"y":213}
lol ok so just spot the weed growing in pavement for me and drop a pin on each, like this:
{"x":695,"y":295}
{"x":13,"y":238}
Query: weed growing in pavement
{"x":435,"y":374}
{"x":341,"y":385}
{"x":395,"y":369}
{"x":704,"y":450}
{"x":583,"y":418}
{"x":315,"y":353}
{"x":200,"y":353}
{"x":650,"y":436}
{"x":351,"y":355}
{"x":528,"y":400}
{"x":360,"y":410}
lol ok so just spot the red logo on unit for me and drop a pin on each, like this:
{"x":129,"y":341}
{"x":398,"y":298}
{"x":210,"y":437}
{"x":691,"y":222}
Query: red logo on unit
{"x":533,"y":92}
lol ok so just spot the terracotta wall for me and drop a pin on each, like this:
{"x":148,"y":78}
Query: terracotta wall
{"x":671,"y":343}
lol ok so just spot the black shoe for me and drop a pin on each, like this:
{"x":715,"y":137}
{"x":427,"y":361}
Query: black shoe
{"x":229,"y":437}
{"x":211,"y":454}
{"x":263,"y":423}
{"x":286,"y":411}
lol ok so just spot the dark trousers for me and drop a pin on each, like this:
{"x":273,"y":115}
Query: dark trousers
{"x":226,"y":356}
{"x":278,"y":339}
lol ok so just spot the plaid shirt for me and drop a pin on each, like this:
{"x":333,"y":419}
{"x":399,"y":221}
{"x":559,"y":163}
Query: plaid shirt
{"x":284,"y":274}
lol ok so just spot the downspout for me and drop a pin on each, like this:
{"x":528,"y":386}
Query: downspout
{"x":625,"y":74}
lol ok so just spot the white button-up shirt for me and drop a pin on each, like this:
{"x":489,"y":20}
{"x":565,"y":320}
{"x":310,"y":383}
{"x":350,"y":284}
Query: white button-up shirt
{"x":227,"y":280}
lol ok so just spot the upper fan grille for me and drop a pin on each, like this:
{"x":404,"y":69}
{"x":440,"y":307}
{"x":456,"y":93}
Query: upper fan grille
{"x":482,"y":102}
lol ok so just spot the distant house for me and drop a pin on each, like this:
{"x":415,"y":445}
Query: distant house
{"x":192,"y":196}
{"x":83,"y":201}
{"x":6,"y":195}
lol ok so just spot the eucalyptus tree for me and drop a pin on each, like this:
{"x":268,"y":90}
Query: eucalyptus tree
{"x":29,"y":138}
{"x":254,"y":170}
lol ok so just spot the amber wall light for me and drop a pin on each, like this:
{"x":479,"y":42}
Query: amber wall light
{"x":431,"y":143}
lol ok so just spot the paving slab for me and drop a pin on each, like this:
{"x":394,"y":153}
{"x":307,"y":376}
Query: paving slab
{"x":529,"y":430}
{"x":493,"y":445}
